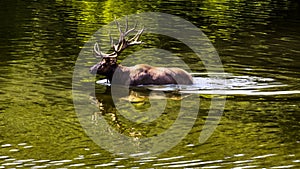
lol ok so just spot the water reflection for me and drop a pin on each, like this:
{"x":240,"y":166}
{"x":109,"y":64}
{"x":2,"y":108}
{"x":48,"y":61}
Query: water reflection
{"x":141,"y":99}
{"x":40,"y":42}
{"x":144,"y":120}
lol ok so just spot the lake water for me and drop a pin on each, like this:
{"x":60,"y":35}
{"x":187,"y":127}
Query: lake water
{"x":258,"y":44}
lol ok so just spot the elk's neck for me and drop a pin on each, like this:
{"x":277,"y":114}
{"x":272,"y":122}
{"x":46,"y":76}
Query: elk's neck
{"x":120,"y":72}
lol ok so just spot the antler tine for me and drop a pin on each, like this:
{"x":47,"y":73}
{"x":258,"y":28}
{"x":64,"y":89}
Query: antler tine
{"x":122,"y":36}
{"x":134,"y":40}
{"x":132,"y":29}
{"x":126,"y":31}
{"x":97,"y":51}
{"x":111,"y":40}
{"x":102,"y":55}
{"x":126,"y":25}
{"x":118,"y":26}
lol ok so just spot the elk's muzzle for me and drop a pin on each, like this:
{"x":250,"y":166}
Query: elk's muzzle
{"x":94,"y":69}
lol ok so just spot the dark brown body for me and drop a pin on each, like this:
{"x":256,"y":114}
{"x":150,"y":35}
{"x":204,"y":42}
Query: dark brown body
{"x":143,"y":74}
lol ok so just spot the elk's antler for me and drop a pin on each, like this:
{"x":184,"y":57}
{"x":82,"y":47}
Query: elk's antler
{"x":122,"y":44}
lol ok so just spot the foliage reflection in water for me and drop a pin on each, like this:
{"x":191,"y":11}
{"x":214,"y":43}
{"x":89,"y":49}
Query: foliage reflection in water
{"x":40,"y":42}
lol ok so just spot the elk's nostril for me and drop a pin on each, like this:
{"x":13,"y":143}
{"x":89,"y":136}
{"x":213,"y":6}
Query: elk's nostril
{"x":94,"y":69}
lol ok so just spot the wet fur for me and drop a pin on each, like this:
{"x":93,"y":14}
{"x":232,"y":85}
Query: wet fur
{"x":141,"y":74}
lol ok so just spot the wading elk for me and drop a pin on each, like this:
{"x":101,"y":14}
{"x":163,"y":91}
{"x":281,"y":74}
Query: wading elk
{"x":141,"y":74}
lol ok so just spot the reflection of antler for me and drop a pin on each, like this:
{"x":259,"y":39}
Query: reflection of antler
{"x":96,"y":115}
{"x":140,"y":99}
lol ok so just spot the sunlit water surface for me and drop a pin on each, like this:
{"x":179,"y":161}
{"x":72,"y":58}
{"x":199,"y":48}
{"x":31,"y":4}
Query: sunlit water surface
{"x":258,"y":43}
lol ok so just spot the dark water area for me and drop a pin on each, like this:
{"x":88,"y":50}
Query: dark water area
{"x":257,"y":42}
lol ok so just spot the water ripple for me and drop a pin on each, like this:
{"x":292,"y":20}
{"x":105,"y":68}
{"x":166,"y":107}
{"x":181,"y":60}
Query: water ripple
{"x":225,"y":85}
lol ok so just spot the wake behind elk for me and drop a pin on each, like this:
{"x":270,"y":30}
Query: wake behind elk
{"x":141,"y":74}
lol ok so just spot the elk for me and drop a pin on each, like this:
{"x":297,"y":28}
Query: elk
{"x":141,"y":74}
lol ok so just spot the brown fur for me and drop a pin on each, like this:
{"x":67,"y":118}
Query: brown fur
{"x":143,"y":74}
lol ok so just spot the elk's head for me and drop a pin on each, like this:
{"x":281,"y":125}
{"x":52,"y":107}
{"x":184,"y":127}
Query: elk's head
{"x":108,"y":62}
{"x":104,"y":67}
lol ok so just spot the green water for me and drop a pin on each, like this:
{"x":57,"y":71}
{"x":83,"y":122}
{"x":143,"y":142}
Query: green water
{"x":40,"y":43}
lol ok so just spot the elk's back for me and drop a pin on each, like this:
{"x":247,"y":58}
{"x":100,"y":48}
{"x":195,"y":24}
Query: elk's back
{"x":148,"y":75}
